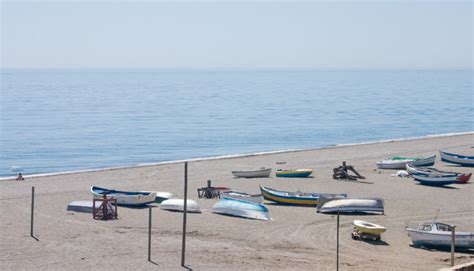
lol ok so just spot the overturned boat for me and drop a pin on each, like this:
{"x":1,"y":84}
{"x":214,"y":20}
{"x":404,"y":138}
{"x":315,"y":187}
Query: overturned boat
{"x":255,"y":198}
{"x":351,"y":205}
{"x":435,"y":234}
{"x":258,"y":173}
{"x":240,"y":208}
{"x":177,"y":205}
{"x":126,"y":198}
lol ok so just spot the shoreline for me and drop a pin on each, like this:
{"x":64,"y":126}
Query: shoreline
{"x":232,"y":156}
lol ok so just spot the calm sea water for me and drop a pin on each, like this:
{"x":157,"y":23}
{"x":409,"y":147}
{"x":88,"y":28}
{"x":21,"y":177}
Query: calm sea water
{"x":59,"y":120}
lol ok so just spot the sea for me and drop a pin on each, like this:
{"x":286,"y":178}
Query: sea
{"x":84,"y":119}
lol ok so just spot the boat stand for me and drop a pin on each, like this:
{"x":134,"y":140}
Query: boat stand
{"x":106,"y":210}
{"x":357,"y":235}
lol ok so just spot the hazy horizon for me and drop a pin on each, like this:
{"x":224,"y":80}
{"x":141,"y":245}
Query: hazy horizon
{"x":310,"y":35}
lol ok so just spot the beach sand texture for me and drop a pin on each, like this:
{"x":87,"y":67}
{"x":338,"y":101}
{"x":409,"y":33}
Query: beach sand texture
{"x":297,"y":239}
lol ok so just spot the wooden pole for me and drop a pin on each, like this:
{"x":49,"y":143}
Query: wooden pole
{"x":183,"y":247}
{"x":453,"y":243}
{"x":32,"y":209}
{"x":337,"y":249}
{"x":149,"y":233}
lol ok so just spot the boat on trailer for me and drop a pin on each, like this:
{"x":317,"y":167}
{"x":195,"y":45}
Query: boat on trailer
{"x":241,"y":208}
{"x":294,"y":173}
{"x":255,"y":198}
{"x":259,"y":173}
{"x":399,"y":162}
{"x":295,"y":198}
{"x":436,"y":234}
{"x":124,"y":198}
{"x":462,"y":160}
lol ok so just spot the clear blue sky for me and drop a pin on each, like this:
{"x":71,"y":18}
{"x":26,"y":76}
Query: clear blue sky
{"x":243,"y":35}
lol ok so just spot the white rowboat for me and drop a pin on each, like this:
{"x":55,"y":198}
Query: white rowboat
{"x":259,"y":173}
{"x":177,"y":205}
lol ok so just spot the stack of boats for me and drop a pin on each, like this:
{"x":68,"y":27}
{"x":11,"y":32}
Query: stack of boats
{"x":399,"y":162}
{"x":435,"y":177}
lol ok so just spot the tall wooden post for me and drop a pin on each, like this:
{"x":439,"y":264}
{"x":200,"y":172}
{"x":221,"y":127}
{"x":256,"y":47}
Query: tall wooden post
{"x":337,"y":238}
{"x":183,"y":247}
{"x":149,"y":233}
{"x":32,"y":209}
{"x":453,"y":243}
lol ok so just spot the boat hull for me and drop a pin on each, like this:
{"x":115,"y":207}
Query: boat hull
{"x":295,"y":198}
{"x":124,"y":198}
{"x":369,"y":228}
{"x":348,"y":205}
{"x":462,"y":160}
{"x":243,"y":196}
{"x":177,"y":205}
{"x":435,"y":180}
{"x":261,"y":173}
{"x":443,"y":240}
{"x":401,"y":164}
{"x":298,"y":173}
{"x":239,"y":208}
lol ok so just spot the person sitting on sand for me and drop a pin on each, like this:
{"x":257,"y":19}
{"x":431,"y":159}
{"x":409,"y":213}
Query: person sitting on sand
{"x":20,"y":177}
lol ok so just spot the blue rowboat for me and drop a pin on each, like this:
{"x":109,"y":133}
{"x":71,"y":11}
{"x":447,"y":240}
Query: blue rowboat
{"x":465,"y":161}
{"x":295,"y":198}
{"x":435,"y":179}
{"x":294,"y":173}
{"x":124,"y":197}
{"x":241,"y":208}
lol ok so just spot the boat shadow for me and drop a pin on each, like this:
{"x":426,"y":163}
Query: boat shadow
{"x":438,"y":186}
{"x":444,"y":249}
{"x":354,"y":181}
{"x":375,"y":242}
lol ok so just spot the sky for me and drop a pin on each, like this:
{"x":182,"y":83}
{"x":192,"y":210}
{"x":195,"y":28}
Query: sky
{"x":237,"y":35}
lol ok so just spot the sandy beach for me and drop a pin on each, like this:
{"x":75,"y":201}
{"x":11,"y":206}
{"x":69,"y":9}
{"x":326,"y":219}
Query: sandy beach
{"x":297,"y":239}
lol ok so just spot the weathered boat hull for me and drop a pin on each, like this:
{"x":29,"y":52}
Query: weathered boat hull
{"x":260,"y":173}
{"x":297,"y":173}
{"x":239,"y":208}
{"x":258,"y":198}
{"x":442,"y":240}
{"x":349,"y":205}
{"x":124,"y":198}
{"x":462,"y":160}
{"x":295,"y":198}
{"x":401,"y":164}
{"x":435,"y":180}
{"x":177,"y":205}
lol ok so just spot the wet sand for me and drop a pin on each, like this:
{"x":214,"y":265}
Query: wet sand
{"x":297,"y":239}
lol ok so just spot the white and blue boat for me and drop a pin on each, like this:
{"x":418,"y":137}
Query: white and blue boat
{"x":438,"y":235}
{"x":240,"y":208}
{"x":125,"y":198}
{"x":295,"y":198}
{"x":434,"y":179}
{"x":462,"y":160}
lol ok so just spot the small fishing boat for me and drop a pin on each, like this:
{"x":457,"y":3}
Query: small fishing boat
{"x":255,"y":198}
{"x":294,"y":173}
{"x":126,"y":198}
{"x":368,"y":227}
{"x":295,"y":198}
{"x":177,"y":205}
{"x":462,"y":160}
{"x":434,"y":179}
{"x":461,"y":177}
{"x":436,"y":234}
{"x":398,"y":162}
{"x":240,"y":208}
{"x":259,"y":173}
{"x":351,"y":205}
